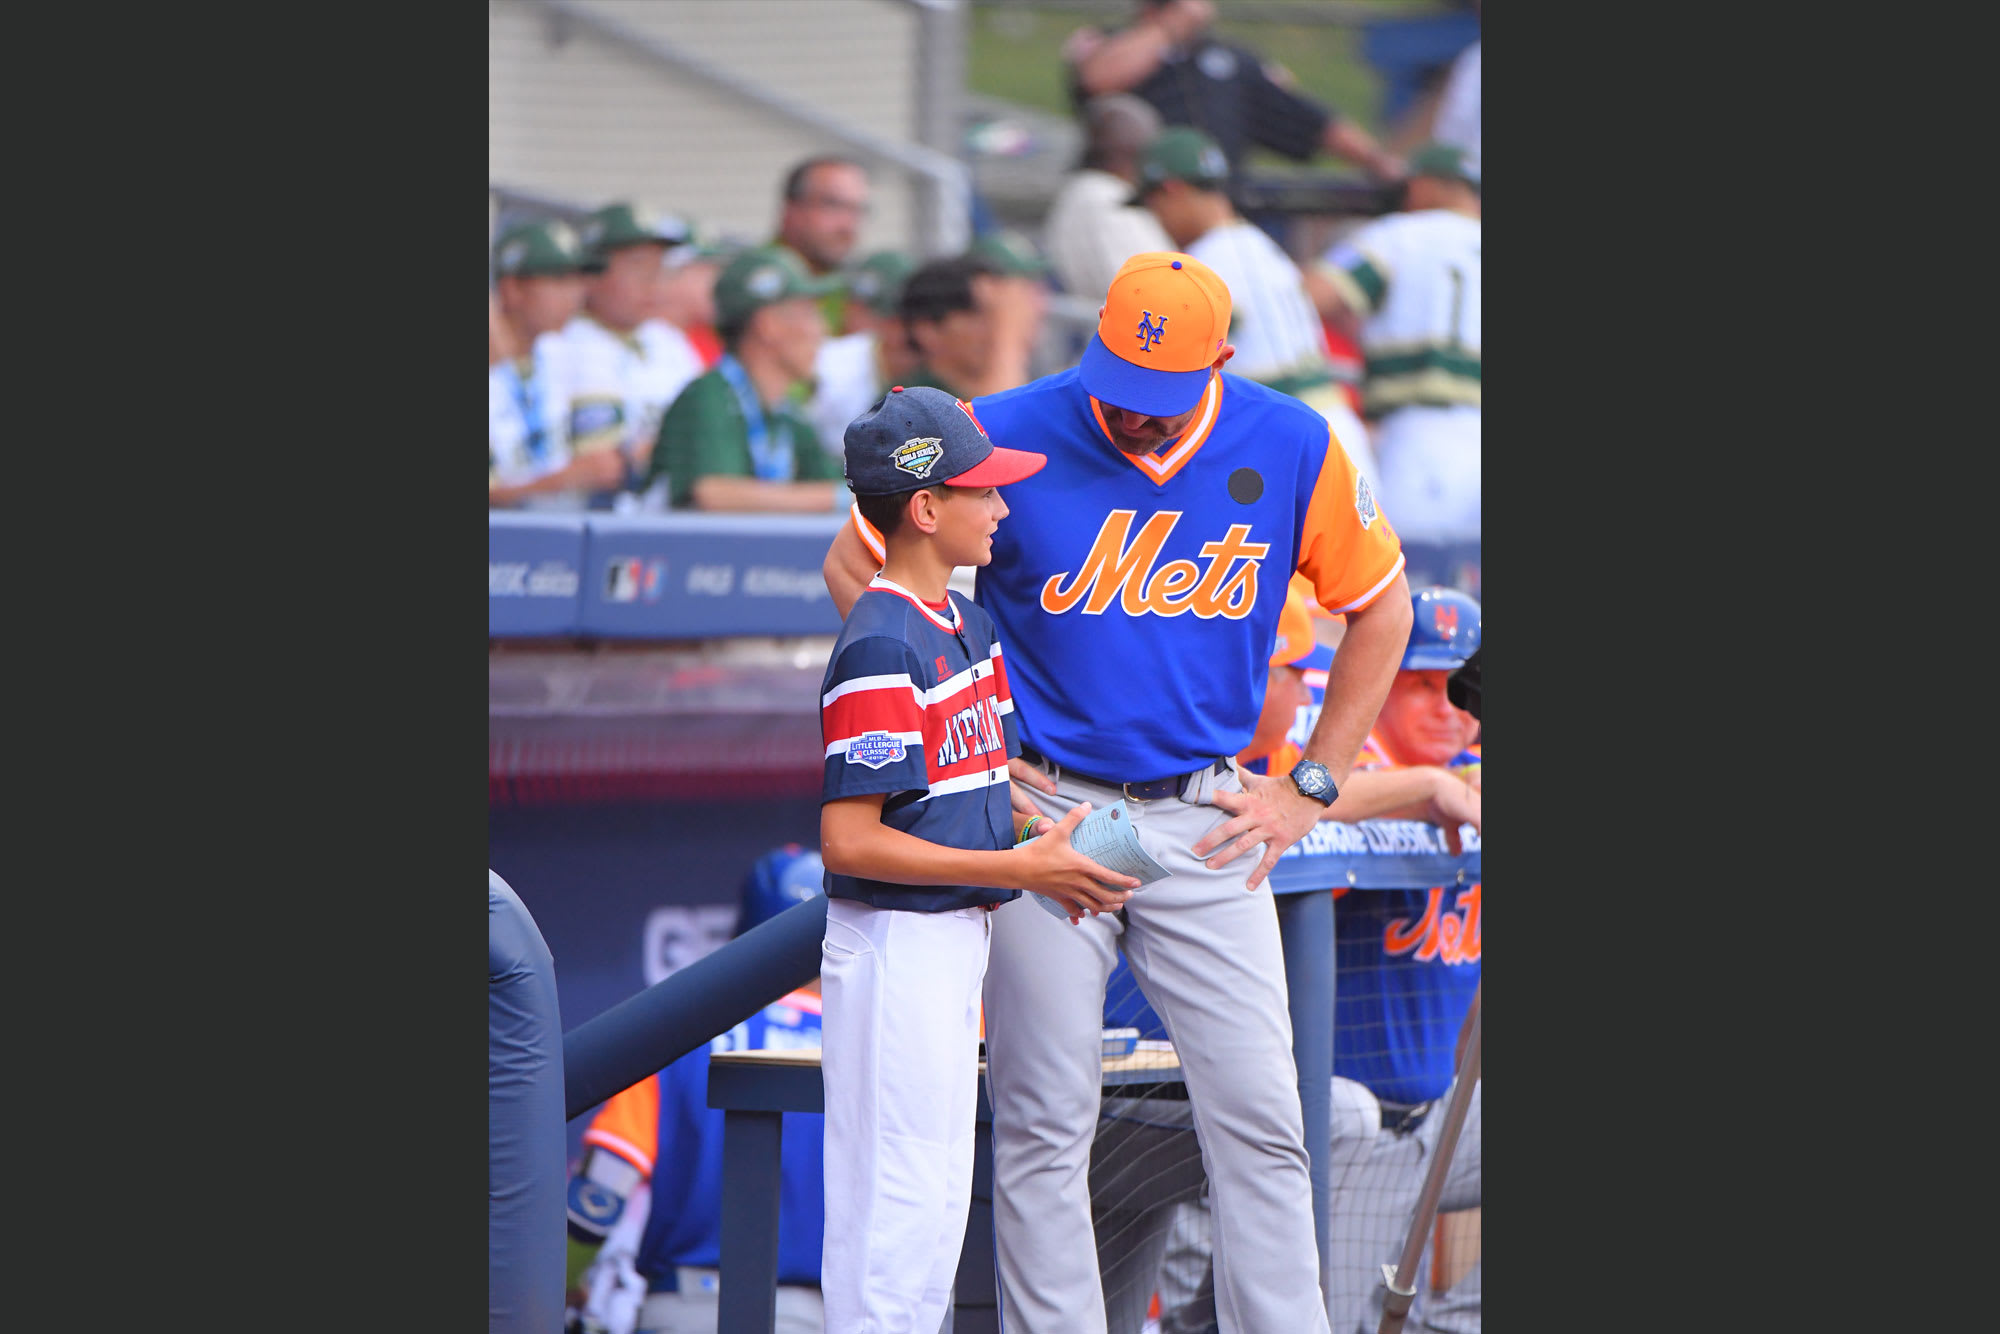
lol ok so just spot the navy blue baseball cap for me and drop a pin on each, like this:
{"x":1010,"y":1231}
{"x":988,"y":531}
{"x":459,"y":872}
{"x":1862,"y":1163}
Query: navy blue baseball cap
{"x":922,"y":436}
{"x":783,"y":877}
{"x":1444,"y":631}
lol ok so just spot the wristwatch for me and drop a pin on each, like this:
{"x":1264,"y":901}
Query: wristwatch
{"x":1312,"y":780}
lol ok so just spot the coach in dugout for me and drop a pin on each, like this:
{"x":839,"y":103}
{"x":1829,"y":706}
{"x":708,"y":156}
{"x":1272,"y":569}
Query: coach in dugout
{"x":1407,"y":964}
{"x":1171,"y":488}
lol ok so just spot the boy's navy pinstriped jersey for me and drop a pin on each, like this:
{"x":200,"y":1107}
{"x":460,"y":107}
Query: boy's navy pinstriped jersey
{"x":915,"y":704}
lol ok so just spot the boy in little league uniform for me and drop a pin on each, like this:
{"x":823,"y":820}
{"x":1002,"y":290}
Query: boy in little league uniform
{"x":918,"y":837}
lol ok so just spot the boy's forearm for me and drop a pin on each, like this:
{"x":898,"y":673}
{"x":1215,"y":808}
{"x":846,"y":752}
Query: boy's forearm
{"x":858,"y":844}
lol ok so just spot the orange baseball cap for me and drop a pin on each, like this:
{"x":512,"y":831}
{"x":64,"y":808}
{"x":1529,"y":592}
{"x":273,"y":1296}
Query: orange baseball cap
{"x":1163,"y":322}
{"x":1295,"y":630}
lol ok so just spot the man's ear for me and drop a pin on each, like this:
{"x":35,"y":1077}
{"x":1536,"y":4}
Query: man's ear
{"x":923,"y":510}
{"x":1228,"y":351}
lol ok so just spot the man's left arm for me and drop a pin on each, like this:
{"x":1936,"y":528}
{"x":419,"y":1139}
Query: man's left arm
{"x":1355,"y":562}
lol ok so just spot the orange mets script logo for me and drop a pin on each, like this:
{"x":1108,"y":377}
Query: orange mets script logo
{"x":1114,"y":569}
{"x":1151,"y":330}
{"x":1440,"y":935}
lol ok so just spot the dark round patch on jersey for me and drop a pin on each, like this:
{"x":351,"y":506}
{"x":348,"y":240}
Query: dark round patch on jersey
{"x":1245,"y":485}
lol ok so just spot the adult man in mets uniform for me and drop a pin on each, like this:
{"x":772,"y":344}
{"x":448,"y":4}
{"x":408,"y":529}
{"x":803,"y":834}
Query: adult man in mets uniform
{"x":1139,"y":580}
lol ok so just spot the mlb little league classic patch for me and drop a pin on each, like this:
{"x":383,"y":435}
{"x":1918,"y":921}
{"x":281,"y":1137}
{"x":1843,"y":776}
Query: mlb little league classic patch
{"x":875,"y":749}
{"x":917,"y":457}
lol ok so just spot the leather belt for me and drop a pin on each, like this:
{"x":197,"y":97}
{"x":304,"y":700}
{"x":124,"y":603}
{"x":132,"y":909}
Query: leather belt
{"x":1148,"y":791}
{"x":1404,"y":1118}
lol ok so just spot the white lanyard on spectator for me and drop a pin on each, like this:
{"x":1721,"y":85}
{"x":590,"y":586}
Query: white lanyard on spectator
{"x":770,"y":450}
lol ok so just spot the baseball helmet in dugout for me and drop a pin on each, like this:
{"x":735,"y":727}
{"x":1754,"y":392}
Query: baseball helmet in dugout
{"x":785,"y":876}
{"x":1444,"y":631}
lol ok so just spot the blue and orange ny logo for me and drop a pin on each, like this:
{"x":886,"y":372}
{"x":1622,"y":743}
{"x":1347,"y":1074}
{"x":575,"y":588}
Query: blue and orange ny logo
{"x":1150,"y":330}
{"x":1445,"y":621}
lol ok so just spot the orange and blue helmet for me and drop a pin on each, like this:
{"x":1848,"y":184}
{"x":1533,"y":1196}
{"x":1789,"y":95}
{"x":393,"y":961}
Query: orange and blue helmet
{"x":1445,"y":631}
{"x":786,"y":875}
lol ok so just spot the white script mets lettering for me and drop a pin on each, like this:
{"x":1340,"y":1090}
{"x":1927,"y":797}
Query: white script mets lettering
{"x":1115,"y":569}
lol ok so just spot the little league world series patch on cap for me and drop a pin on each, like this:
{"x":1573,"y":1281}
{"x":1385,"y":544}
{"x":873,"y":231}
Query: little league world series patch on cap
{"x":915,"y":437}
{"x":1165,"y":320}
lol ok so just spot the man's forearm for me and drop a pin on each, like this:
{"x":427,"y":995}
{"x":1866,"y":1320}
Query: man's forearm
{"x":1359,"y":679}
{"x":848,"y":567}
{"x":1123,"y":60}
{"x":1347,"y":140}
{"x":1373,"y":793}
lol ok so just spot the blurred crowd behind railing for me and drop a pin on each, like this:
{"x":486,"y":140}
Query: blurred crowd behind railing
{"x":639,"y":364}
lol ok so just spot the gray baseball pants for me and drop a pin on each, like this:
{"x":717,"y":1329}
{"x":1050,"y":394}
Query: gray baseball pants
{"x":1377,"y":1176}
{"x":1206,"y":954}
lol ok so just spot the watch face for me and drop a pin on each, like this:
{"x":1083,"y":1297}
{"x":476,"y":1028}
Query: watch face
{"x":1311,"y":778}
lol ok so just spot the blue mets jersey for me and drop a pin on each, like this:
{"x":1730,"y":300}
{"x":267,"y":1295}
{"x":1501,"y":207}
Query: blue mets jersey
{"x":664,"y":1127}
{"x":1406,"y":962}
{"x":1139,"y":596}
{"x":915,"y":704}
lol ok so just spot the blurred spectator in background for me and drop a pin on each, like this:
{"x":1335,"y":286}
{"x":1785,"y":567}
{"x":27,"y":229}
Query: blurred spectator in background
{"x":1408,"y":963}
{"x":1092,"y":227}
{"x":826,"y":201}
{"x":1409,"y":283}
{"x":538,"y":286}
{"x":1016,"y":290}
{"x":1275,"y":327}
{"x":733,"y":439}
{"x":623,"y":364}
{"x":1168,"y":56}
{"x":685,"y":293}
{"x":949,"y":328}
{"x":855,"y":369}
{"x":649,"y":1186}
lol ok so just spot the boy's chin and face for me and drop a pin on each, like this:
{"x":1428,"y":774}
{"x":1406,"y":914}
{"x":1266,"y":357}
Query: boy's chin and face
{"x":967,"y":519}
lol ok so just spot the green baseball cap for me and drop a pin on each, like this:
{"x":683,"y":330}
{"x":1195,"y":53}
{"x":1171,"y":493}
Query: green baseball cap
{"x":1180,"y":154}
{"x":877,"y":281}
{"x":625,"y":224}
{"x":762,"y":277}
{"x":537,"y":249}
{"x":1443,"y":161}
{"x":1011,"y":253}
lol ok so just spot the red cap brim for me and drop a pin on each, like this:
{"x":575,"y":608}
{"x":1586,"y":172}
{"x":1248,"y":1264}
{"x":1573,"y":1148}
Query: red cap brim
{"x":999,"y":468}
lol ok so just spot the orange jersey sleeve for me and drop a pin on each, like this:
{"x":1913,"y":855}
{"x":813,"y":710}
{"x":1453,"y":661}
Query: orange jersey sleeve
{"x":869,"y":537}
{"x":629,"y":1125}
{"x":1348,"y":549}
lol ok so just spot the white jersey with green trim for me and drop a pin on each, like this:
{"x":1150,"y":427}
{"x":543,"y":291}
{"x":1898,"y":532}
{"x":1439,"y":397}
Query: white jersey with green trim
{"x":617,"y":387}
{"x":1414,"y":280}
{"x":1273,"y":325}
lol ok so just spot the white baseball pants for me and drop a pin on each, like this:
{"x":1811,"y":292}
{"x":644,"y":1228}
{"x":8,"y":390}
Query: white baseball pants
{"x":899,"y":1058}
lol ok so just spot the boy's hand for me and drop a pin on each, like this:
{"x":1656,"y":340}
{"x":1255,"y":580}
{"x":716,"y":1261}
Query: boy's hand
{"x":1021,"y":772}
{"x":1073,"y":881}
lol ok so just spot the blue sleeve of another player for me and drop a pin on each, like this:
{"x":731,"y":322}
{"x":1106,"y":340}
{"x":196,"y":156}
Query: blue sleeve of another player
{"x":872,"y":720}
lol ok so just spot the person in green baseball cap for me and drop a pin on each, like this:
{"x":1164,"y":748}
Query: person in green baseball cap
{"x":625,"y":363}
{"x":537,"y":288}
{"x":733,"y":439}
